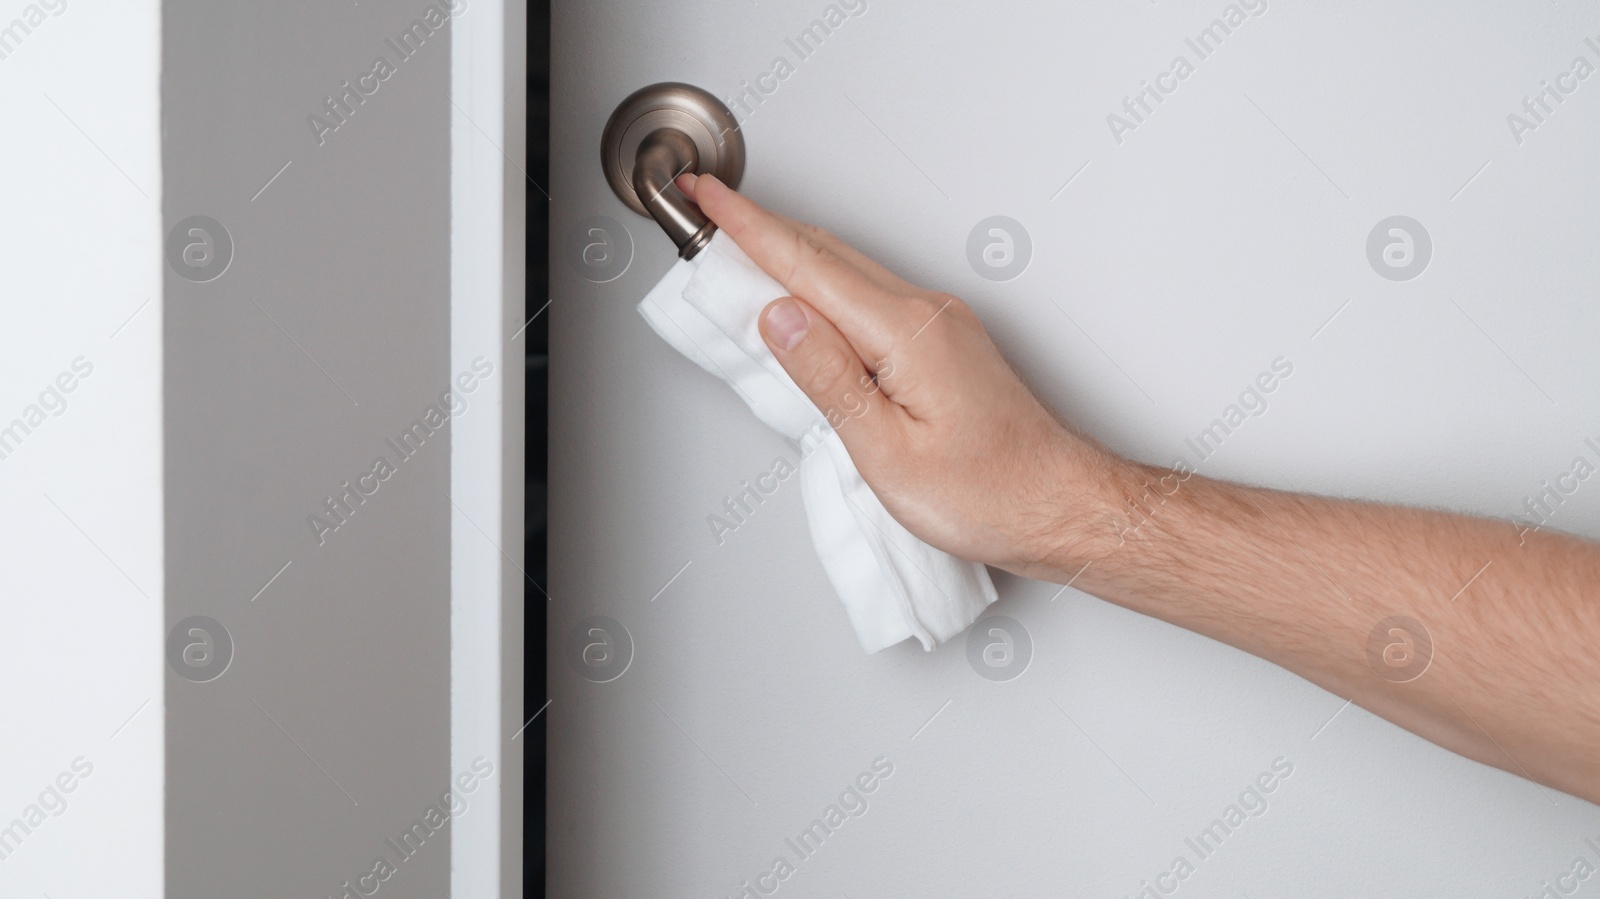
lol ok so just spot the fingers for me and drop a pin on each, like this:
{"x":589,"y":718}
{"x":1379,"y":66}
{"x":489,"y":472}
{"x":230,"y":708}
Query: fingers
{"x":864,"y":310}
{"x":881,"y":276}
{"x":825,"y":366}
{"x":870,"y":267}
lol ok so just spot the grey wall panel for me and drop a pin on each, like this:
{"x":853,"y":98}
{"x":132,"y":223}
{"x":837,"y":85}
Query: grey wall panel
{"x":288,"y":376}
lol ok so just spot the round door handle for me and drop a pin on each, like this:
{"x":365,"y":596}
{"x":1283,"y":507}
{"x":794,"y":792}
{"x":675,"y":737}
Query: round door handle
{"x":660,"y":132}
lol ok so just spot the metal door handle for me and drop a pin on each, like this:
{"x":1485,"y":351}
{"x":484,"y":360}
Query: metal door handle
{"x":660,"y":132}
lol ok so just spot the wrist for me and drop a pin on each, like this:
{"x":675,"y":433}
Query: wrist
{"x":1089,"y":509}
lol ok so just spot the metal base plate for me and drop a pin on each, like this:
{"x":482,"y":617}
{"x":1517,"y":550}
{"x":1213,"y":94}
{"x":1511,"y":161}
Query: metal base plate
{"x":670,"y":104}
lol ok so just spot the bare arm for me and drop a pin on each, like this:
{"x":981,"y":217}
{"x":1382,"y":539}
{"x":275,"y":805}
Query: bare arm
{"x":1467,"y":632}
{"x":1454,"y":628}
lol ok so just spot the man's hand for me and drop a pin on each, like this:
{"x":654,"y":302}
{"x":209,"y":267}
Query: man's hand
{"x":949,"y":438}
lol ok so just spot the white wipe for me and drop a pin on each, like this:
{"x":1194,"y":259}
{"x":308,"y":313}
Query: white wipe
{"x":892,"y":584}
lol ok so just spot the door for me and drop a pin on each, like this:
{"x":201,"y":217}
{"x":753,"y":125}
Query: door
{"x":1149,"y":205}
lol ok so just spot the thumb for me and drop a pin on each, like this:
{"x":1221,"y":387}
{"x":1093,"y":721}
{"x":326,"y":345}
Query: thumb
{"x":825,"y":366}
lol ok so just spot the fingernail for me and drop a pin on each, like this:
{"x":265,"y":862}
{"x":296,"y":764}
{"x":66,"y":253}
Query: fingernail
{"x":689,"y":178}
{"x":786,"y":324}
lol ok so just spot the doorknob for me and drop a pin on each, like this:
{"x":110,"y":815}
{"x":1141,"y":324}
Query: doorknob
{"x":660,"y":132}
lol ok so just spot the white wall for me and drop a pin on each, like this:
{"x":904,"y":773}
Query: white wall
{"x":81,"y":528}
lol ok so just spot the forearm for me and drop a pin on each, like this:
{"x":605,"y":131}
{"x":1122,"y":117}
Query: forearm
{"x":1514,"y":619}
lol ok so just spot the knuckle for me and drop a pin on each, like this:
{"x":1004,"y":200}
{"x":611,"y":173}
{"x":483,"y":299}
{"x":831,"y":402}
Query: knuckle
{"x":811,"y":248}
{"x":822,"y":235}
{"x":923,"y":308}
{"x":815,"y":232}
{"x":809,"y":252}
{"x":830,"y":370}
{"x":928,"y":310}
{"x":949,"y":302}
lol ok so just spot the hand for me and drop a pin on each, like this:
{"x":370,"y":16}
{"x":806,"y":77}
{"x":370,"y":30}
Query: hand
{"x":941,"y":428}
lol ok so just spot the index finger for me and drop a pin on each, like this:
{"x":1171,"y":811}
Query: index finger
{"x":872,"y":268}
{"x":863,"y":311}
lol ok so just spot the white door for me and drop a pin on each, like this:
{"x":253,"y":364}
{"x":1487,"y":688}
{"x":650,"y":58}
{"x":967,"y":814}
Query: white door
{"x":1192,"y":194}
